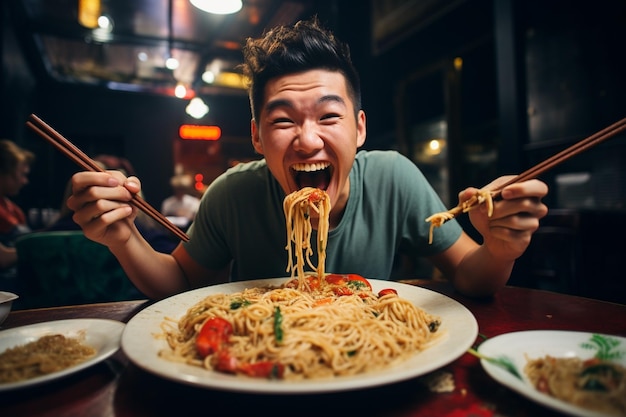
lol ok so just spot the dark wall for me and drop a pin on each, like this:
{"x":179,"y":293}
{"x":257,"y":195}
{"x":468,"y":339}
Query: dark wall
{"x":142,"y":128}
{"x":575,"y":87}
{"x":139,"y":127}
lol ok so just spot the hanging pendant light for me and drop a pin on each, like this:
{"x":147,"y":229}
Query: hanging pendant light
{"x":218,"y":6}
{"x":88,"y":13}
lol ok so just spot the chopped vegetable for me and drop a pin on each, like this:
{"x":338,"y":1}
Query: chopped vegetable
{"x":387,"y":291}
{"x":266,"y":369}
{"x":278,"y":328}
{"x":238,"y":303}
{"x":213,"y":336}
{"x":433,"y":326}
{"x":353,"y":281}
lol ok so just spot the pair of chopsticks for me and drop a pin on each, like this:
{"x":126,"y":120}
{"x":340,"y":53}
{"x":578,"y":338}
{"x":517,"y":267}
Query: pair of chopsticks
{"x":542,"y":167}
{"x":81,"y":159}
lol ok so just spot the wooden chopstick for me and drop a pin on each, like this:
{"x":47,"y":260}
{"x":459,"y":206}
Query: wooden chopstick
{"x":536,"y":170}
{"x":80,"y":158}
{"x":575,"y":149}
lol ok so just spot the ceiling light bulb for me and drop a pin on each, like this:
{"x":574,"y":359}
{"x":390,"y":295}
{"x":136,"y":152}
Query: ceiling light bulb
{"x":197,"y":108}
{"x":105,"y":23}
{"x":208,"y":77}
{"x":180,"y":91}
{"x":171,"y":63}
{"x":88,"y":13}
{"x":218,"y":6}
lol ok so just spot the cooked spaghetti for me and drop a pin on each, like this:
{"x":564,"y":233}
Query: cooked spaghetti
{"x":297,"y":206}
{"x":593,"y":384}
{"x":438,"y":219}
{"x":315,"y":325}
{"x":48,"y":354}
{"x":320,"y":333}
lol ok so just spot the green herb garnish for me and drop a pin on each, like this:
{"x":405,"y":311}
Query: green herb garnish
{"x":356,"y":285}
{"x":238,"y":303}
{"x":278,"y":328}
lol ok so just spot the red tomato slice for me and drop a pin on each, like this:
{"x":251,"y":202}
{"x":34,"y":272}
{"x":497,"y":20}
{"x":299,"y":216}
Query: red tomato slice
{"x":341,"y":291}
{"x":316,"y":196}
{"x":223,"y":361}
{"x":348,"y":284}
{"x":336,"y":279}
{"x":312,"y":280}
{"x":214,"y":334}
{"x":387,"y":291}
{"x":266,"y":369}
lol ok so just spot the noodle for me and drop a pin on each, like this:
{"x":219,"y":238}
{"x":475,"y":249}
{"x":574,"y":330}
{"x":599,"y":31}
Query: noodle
{"x":310,"y":327}
{"x":593,"y":384}
{"x":438,"y":219}
{"x":324,"y":335}
{"x":296,"y":206}
{"x":43,"y":356}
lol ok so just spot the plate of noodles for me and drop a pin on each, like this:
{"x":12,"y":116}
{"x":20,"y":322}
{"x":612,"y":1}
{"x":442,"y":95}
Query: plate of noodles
{"x":38,"y":353}
{"x":145,"y":339}
{"x":578,"y":373}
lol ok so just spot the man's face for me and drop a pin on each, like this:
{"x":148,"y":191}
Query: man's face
{"x":308,"y":133}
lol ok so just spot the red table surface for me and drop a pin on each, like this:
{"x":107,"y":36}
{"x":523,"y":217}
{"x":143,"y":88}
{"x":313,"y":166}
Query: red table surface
{"x":116,"y":387}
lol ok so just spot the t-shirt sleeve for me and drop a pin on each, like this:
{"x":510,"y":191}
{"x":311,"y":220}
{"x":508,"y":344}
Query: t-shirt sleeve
{"x":417,"y":201}
{"x":240,"y":220}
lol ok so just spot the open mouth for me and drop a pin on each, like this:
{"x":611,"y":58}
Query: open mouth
{"x":315,"y":175}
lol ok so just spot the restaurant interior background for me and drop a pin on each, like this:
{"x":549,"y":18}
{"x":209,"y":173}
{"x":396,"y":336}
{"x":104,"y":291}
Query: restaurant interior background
{"x":468,"y":89}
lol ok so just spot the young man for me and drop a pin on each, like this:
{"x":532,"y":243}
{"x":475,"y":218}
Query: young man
{"x":308,"y":125}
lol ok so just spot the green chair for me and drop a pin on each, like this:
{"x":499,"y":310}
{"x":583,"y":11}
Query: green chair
{"x":64,"y":267}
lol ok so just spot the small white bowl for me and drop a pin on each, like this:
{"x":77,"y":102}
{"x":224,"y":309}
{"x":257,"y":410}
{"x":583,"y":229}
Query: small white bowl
{"x":6,"y":301}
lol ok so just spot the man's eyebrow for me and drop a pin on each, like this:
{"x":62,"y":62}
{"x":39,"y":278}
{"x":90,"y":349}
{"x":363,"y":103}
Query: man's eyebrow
{"x":274,"y":104}
{"x":332,"y":97}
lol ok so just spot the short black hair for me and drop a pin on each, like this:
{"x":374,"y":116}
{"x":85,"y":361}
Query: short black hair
{"x":291,"y":49}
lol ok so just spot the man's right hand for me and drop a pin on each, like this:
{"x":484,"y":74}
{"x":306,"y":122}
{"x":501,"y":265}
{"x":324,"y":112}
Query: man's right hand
{"x":101,"y":205}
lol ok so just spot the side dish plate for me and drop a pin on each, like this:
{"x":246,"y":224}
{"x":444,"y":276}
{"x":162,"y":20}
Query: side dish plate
{"x":102,"y":335}
{"x":519,"y":347}
{"x":141,"y":343}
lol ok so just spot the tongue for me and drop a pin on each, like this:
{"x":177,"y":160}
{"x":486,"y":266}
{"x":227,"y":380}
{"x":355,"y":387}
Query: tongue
{"x":316,"y":179}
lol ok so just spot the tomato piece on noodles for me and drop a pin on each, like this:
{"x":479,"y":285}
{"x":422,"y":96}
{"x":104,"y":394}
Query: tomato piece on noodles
{"x":213,"y":336}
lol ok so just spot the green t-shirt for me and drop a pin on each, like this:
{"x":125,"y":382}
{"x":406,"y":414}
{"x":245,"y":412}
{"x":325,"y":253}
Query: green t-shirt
{"x":241,"y":219}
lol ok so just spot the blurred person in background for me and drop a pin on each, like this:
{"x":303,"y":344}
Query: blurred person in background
{"x":15,"y":165}
{"x":8,"y":256}
{"x":181,"y":207}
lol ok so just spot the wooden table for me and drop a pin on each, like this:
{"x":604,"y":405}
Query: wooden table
{"x":116,"y":387}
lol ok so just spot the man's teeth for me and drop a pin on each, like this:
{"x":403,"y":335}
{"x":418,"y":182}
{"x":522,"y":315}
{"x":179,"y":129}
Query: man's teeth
{"x":310,"y":167}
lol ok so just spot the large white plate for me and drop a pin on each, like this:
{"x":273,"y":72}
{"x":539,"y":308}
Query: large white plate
{"x":459,"y":329}
{"x":102,"y":335}
{"x":533,"y":344}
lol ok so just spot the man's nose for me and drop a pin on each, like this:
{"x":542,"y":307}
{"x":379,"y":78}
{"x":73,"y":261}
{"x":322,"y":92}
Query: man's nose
{"x":308,"y":138}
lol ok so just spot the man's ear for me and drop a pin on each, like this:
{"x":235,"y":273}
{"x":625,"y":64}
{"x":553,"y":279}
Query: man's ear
{"x":256,"y":140}
{"x":361,"y":129}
